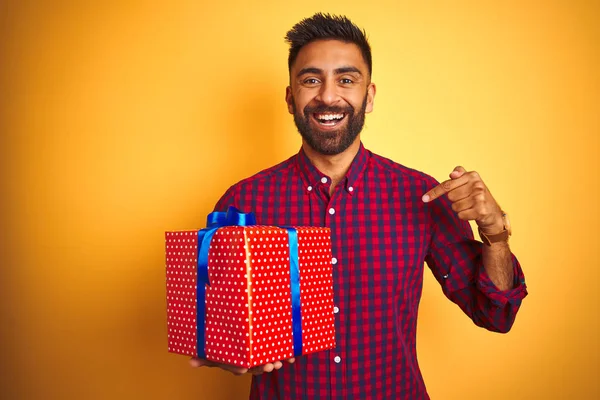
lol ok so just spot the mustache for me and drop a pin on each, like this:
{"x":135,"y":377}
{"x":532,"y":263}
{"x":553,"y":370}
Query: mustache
{"x":324,"y":109}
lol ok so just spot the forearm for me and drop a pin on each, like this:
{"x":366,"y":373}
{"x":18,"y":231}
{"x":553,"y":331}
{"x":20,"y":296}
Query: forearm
{"x":497,"y":261}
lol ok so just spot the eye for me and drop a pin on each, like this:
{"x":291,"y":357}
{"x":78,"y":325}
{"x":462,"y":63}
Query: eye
{"x":346,"y":81}
{"x":311,"y":81}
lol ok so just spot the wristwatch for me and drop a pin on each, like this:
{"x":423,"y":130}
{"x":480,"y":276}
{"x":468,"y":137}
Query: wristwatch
{"x":497,"y":237}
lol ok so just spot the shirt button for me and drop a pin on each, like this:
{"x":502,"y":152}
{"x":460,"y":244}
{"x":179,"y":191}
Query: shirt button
{"x":337,"y":359}
{"x":323,"y":180}
{"x":336,"y":310}
{"x":332,"y":211}
{"x":309,"y":188}
{"x":334,"y":260}
{"x":350,"y":189}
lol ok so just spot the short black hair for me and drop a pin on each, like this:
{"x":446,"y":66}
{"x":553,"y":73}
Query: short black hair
{"x":326,"y":27}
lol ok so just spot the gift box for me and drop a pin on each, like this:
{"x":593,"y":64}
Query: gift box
{"x":246,"y":295}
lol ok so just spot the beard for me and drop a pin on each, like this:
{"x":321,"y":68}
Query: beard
{"x":330,"y":142}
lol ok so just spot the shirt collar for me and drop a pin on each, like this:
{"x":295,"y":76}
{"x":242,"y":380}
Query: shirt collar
{"x":312,"y":177}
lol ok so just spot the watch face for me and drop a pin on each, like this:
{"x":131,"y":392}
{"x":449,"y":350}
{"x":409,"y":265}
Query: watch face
{"x":506,"y":223}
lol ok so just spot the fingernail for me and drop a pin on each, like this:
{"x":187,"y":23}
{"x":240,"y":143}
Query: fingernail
{"x":425,"y":198}
{"x":194,"y":363}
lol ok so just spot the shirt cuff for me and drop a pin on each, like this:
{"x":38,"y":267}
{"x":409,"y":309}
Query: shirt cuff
{"x":499,"y":297}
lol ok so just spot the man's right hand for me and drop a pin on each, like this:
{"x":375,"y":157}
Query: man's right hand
{"x":260,"y":369}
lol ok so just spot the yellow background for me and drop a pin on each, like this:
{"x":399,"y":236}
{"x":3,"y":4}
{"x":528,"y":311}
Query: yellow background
{"x":122,"y":119}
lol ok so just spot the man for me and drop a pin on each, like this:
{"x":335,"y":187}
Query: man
{"x":386,"y":221}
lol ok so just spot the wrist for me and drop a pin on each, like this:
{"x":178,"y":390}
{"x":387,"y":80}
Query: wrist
{"x":494,"y":226}
{"x":493,"y":233}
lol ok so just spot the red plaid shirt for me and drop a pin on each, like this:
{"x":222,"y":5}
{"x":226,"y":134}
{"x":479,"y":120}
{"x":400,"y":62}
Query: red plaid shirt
{"x":382,"y":233}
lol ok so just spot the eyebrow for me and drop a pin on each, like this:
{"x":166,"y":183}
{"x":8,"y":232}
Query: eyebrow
{"x":345,"y":70}
{"x":337,"y":71}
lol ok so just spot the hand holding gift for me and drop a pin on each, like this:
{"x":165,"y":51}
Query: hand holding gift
{"x":258,"y":370}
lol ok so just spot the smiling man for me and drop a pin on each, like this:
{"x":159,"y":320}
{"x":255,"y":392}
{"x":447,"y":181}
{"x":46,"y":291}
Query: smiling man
{"x":331,"y":85}
{"x":386,"y":221}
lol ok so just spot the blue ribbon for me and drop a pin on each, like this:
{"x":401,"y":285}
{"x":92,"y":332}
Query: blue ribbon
{"x":295,"y":290}
{"x":234,"y":217}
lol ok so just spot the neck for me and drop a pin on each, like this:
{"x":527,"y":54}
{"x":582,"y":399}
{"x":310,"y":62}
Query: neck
{"x":335,"y":166}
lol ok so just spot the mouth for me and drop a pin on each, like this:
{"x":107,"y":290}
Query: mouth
{"x":329,"y":119}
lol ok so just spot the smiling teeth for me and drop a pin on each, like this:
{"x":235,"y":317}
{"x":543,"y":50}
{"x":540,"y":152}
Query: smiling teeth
{"x":329,"y":117}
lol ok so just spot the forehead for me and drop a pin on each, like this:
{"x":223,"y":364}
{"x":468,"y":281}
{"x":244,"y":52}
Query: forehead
{"x":329,"y":55}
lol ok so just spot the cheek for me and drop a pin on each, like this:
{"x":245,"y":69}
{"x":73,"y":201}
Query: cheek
{"x":300,"y":105}
{"x":305,"y":96}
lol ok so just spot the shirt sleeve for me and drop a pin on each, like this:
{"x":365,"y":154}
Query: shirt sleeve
{"x":455,"y":259}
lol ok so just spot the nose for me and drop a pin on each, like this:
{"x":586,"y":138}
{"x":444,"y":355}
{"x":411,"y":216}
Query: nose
{"x":328,"y":93}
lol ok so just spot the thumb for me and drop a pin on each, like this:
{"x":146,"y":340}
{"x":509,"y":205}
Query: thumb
{"x":457,"y":172}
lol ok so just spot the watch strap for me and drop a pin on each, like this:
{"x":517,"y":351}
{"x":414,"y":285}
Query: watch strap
{"x":496,"y":237}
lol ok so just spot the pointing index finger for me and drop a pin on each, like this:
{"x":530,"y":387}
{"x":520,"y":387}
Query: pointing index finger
{"x":443,"y":188}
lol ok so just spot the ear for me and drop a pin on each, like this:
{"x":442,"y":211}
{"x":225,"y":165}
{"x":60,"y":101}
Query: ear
{"x":370,"y":97}
{"x":289,"y":99}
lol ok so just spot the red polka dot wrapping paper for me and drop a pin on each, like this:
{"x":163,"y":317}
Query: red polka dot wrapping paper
{"x":248,"y":303}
